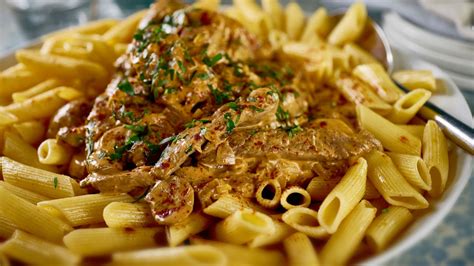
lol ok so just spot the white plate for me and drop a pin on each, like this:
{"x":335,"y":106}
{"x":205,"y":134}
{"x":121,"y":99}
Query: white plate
{"x":454,"y":103}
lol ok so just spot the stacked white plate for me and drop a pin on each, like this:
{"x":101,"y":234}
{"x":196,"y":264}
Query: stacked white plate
{"x":454,"y":57}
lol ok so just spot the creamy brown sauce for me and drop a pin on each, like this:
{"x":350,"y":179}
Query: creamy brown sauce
{"x":199,"y":107}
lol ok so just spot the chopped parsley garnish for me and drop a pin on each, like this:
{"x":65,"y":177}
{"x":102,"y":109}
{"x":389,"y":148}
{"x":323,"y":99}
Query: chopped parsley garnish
{"x":126,"y":87}
{"x":218,"y":95}
{"x":189,"y":149}
{"x":256,"y":109}
{"x":233,"y":106}
{"x":192,"y":123}
{"x":170,"y":90}
{"x":293,"y":130}
{"x":139,"y":129}
{"x":181,"y":66}
{"x":281,"y":114}
{"x":55,"y":182}
{"x":203,"y":76}
{"x":230,"y":125}
{"x":210,"y":62}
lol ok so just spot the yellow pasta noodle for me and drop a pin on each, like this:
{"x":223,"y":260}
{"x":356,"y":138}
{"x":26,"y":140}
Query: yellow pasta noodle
{"x":33,"y":250}
{"x":415,"y":79}
{"x":300,"y":250}
{"x":44,"y":86}
{"x":123,"y":31}
{"x":435,"y":155}
{"x":393,"y":138}
{"x":294,"y":197}
{"x":318,"y":188}
{"x":103,"y":241}
{"x":413,"y":168}
{"x":343,"y":244}
{"x":23,"y":193}
{"x":85,"y":209}
{"x":208,"y":4}
{"x":53,"y":153}
{"x":294,"y":21}
{"x":375,"y":75}
{"x":305,"y":220}
{"x":386,"y":226}
{"x":32,"y":132}
{"x":193,"y":224}
{"x":391,"y":184}
{"x":7,"y":227}
{"x":225,"y":206}
{"x":282,"y":230}
{"x":357,"y":55}
{"x":318,"y":24}
{"x":274,"y":10}
{"x":17,"y":78}
{"x":269,"y":193}
{"x":351,"y":25}
{"x":415,"y":130}
{"x":344,"y":197}
{"x":125,"y":214}
{"x":408,"y":105}
{"x":94,"y":27}
{"x":243,"y":226}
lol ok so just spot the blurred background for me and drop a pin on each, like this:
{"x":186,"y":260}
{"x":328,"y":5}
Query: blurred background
{"x":437,"y":31}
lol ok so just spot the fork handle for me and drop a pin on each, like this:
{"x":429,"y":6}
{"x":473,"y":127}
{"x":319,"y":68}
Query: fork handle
{"x":453,"y":128}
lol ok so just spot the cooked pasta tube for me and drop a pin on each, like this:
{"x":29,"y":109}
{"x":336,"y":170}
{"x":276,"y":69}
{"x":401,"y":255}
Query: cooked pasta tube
{"x":351,"y":26}
{"x":30,"y":249}
{"x":207,"y":4}
{"x":318,"y":188}
{"x":252,"y":17}
{"x":277,"y":39}
{"x":391,"y":184}
{"x":387,"y":226}
{"x":43,"y":105}
{"x":170,"y":256}
{"x":274,"y":10}
{"x":52,"y":153}
{"x":408,"y":105}
{"x":269,"y":193}
{"x":103,"y":241}
{"x":123,"y":31}
{"x":17,"y":149}
{"x":413,"y":168}
{"x":415,"y":130}
{"x":435,"y":155}
{"x":243,"y":226}
{"x":125,"y":214}
{"x":7,"y":227}
{"x":44,"y":86}
{"x":253,"y":256}
{"x":39,"y":181}
{"x":393,"y":138}
{"x":318,"y":24}
{"x":32,"y":132}
{"x":85,"y":209}
{"x":357,"y":55}
{"x":343,"y":244}
{"x":193,"y":224}
{"x":4,"y":260}
{"x":344,"y":197}
{"x":305,"y":220}
{"x":30,"y":218}
{"x":94,"y":27}
{"x":17,"y":78}
{"x":282,"y":230}
{"x":294,"y":197}
{"x":415,"y":79}
{"x":294,"y":21}
{"x":371,"y":191}
{"x":375,"y":75}
{"x":225,"y":206}
{"x":23,"y":193}
{"x":300,"y":250}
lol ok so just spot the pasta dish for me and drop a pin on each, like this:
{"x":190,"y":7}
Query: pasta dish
{"x":187,"y":136}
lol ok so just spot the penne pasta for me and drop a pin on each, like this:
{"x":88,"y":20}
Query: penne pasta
{"x":52,"y":153}
{"x":193,"y":224}
{"x":124,"y":214}
{"x":23,"y":193}
{"x":375,"y":76}
{"x":39,"y":181}
{"x":44,"y":86}
{"x":387,"y":226}
{"x":94,"y":27}
{"x":17,"y":78}
{"x":294,"y":197}
{"x":344,"y":197}
{"x":408,"y":106}
{"x":415,"y":130}
{"x":435,"y":155}
{"x":343,"y":244}
{"x":243,"y":226}
{"x":282,"y":230}
{"x":7,"y":227}
{"x":199,"y":255}
{"x":318,"y":188}
{"x":17,"y":149}
{"x":413,"y":168}
{"x":300,"y":250}
{"x":318,"y":24}
{"x":305,"y":220}
{"x":30,"y":218}
{"x":123,"y":31}
{"x":252,"y":17}
{"x":351,"y":26}
{"x":274,"y":10}
{"x":391,"y":184}
{"x":416,"y":79}
{"x":103,"y":241}
{"x":32,"y":132}
{"x":294,"y":21}
{"x":225,"y":206}
{"x":253,"y":256}
{"x":269,"y":193}
{"x":85,"y":209}
{"x":393,"y":138}
{"x":357,"y":55}
{"x":30,"y":249}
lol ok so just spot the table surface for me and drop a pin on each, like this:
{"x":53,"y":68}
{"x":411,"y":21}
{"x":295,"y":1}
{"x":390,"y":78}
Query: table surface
{"x":452,"y":242}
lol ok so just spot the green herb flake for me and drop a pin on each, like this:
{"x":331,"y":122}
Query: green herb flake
{"x":218,"y":95}
{"x":233,"y":106}
{"x":281,"y":114}
{"x":256,"y":109}
{"x":189,"y":149}
{"x":203,"y":76}
{"x":181,"y":66}
{"x":192,"y":123}
{"x":126,"y":87}
{"x":210,"y":62}
{"x":292,"y":131}
{"x":385,"y":210}
{"x":139,"y":129}
{"x":230,"y":125}
{"x":170,"y":90}
{"x":55,"y":182}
